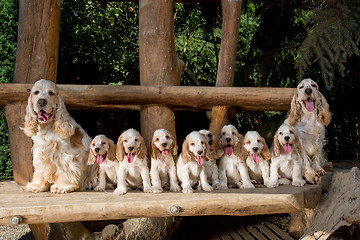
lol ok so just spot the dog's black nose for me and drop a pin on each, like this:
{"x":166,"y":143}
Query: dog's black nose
{"x":287,"y":138}
{"x":255,"y":149}
{"x":210,"y":135}
{"x":97,"y":150}
{"x":42,"y":102}
{"x":308,"y":91}
{"x":164,"y":144}
{"x":200,"y":152}
{"x":131,"y":148}
{"x":228,"y":139}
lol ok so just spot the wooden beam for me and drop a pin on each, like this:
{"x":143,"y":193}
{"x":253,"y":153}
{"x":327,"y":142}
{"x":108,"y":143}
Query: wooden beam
{"x":45,"y":207}
{"x":114,"y":97}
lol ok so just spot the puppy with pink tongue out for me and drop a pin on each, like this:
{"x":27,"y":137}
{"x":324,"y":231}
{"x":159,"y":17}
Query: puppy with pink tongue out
{"x":233,"y":170}
{"x":258,"y":157}
{"x":133,"y":167}
{"x":286,"y":164}
{"x":190,"y":165}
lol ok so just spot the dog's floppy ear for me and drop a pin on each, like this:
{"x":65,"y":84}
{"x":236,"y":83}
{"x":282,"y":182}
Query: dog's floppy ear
{"x":31,"y":123}
{"x":324,"y":114}
{"x":295,"y":111}
{"x":92,"y":156}
{"x":298,"y":144}
{"x":276,"y":145}
{"x":155,"y":152}
{"x":174,"y":145}
{"x":238,"y":148}
{"x":120,"y":152}
{"x":265,"y":153}
{"x":143,"y":151}
{"x":62,"y":120}
{"x":112,"y":150}
{"x":186,"y":154}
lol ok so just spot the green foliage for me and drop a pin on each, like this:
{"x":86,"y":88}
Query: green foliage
{"x":98,"y":45}
{"x":333,"y":39}
{"x":8,"y":32}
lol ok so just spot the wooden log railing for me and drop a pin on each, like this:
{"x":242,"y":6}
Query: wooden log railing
{"x":126,"y":96}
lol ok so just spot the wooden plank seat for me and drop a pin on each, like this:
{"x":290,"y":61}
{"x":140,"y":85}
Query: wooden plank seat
{"x":45,"y":207}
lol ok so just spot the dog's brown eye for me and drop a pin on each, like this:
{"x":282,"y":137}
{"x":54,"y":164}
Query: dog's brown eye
{"x":93,"y":144}
{"x":258,"y":140}
{"x":314,"y":85}
{"x":36,"y":92}
{"x":223,"y":133}
{"x":103,"y":143}
{"x":125,"y":140}
{"x":167,"y":137}
{"x":301,"y":87}
{"x":202,"y":142}
{"x":192,"y":144}
{"x":248,"y":142}
{"x":157,"y":139}
{"x":51,"y":93}
{"x":136,"y":139}
{"x":291,"y":131}
{"x":233,"y":133}
{"x":280,"y":133}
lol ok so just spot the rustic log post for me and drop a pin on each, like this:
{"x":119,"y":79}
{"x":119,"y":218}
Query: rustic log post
{"x":231,"y":12}
{"x":159,"y":65}
{"x":36,"y":58}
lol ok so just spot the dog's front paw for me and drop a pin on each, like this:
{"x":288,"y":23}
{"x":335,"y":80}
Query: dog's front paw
{"x":321,"y":172}
{"x":272,"y":184}
{"x":298,"y":183}
{"x":312,"y":177}
{"x":247,"y":185}
{"x":222,"y":187}
{"x":187,"y":190}
{"x":120,"y":190}
{"x":175,"y":188}
{"x":99,"y":188}
{"x":148,"y":190}
{"x":34,"y":187}
{"x":207,"y":188}
{"x":63,"y":188}
{"x":157,"y":190}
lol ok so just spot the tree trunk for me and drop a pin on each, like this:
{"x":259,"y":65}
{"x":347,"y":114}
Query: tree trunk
{"x":231,"y":12}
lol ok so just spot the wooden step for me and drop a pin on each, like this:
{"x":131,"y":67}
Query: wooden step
{"x":46,"y":207}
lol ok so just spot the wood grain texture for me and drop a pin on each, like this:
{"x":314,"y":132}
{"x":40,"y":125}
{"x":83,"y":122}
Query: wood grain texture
{"x":78,"y":206}
{"x":115,"y":97}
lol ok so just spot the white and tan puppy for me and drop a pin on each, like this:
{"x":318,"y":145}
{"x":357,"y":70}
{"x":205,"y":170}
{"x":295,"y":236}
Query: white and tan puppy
{"x":133,"y":167}
{"x":190,"y":165}
{"x":61,"y":146}
{"x":287,"y":163}
{"x":102,"y":151}
{"x":211,"y":168}
{"x":258,"y":157}
{"x":163,"y":154}
{"x":232,"y":166}
{"x":309,"y":114}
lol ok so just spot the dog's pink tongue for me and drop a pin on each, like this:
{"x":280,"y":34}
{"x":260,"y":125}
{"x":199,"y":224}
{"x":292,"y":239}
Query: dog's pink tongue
{"x":100,"y":159}
{"x":287,"y":147}
{"x":256,"y":158}
{"x":211,"y":147}
{"x":130,"y":157}
{"x":165,"y":152}
{"x":309,"y":104}
{"x":200,"y":160}
{"x":229,"y":150}
{"x":43,"y":116}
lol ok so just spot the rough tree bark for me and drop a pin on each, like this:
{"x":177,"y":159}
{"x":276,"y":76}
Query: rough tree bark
{"x":231,"y":12}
